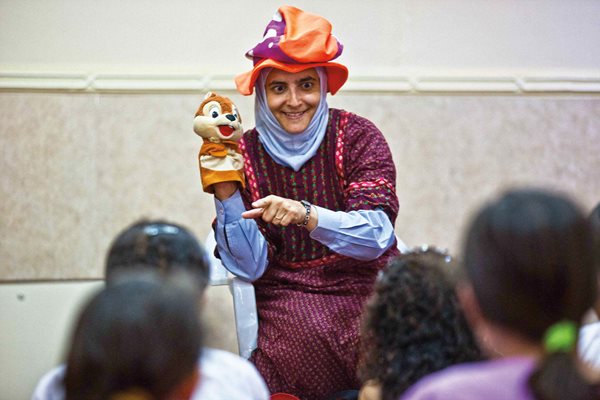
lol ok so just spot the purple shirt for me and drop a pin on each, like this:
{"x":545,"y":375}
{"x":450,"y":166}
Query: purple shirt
{"x":501,"y":379}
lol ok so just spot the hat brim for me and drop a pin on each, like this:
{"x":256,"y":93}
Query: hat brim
{"x":337,"y":74}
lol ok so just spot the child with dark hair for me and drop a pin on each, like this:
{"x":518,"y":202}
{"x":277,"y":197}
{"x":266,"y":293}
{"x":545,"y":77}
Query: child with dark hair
{"x":168,"y":250}
{"x":157,"y":245}
{"x":139,"y":338}
{"x":413,"y":325}
{"x":530,"y":280}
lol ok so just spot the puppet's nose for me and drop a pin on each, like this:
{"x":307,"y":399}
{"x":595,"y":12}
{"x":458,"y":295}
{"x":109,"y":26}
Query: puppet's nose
{"x":230,"y":117}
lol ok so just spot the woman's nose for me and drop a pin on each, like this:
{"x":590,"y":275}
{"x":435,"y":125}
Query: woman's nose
{"x":294,"y":98}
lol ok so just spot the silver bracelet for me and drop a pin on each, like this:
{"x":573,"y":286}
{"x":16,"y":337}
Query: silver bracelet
{"x":308,"y":207}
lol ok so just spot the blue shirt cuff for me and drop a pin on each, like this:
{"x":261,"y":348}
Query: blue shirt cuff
{"x":231,"y":209}
{"x":328,"y":224}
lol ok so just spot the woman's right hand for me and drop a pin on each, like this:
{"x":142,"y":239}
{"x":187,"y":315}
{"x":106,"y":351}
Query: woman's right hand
{"x":281,"y":211}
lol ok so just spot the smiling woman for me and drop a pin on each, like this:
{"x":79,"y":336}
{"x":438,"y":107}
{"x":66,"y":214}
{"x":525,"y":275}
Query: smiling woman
{"x":315,"y":222}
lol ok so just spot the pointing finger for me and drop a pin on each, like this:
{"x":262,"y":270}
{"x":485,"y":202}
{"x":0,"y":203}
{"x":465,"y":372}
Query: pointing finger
{"x":254,"y":213}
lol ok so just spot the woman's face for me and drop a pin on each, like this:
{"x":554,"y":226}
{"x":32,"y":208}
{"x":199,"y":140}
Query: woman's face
{"x":293,"y":98}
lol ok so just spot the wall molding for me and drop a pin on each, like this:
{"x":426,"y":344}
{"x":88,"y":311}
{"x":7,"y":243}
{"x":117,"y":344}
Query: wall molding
{"x":77,"y":82}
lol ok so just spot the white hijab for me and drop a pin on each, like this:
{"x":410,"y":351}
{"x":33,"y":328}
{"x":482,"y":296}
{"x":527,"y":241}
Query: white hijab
{"x":290,"y":150}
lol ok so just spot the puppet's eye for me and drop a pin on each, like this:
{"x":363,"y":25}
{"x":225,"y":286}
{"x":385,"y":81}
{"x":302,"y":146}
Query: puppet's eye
{"x":212,"y":109}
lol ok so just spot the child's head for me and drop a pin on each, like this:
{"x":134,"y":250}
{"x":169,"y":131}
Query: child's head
{"x":140,"y":335}
{"x":529,"y":260}
{"x":413,"y":324}
{"x":528,"y":256}
{"x":159,"y":245}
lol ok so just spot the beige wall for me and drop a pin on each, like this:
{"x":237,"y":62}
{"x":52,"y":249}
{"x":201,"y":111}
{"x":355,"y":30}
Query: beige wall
{"x":77,"y":168}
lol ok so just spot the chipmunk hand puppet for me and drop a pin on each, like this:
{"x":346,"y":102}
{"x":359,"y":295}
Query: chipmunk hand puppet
{"x":219,"y":125}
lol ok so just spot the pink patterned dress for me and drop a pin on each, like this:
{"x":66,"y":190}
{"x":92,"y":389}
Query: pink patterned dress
{"x":310,"y":299}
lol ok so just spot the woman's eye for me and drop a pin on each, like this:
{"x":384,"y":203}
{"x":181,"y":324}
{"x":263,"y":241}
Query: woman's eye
{"x":307,"y":85}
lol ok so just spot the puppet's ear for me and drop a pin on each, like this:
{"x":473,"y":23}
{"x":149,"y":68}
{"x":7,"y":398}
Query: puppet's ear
{"x":209,"y":94}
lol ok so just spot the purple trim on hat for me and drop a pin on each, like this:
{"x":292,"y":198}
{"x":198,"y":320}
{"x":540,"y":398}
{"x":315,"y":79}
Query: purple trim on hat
{"x":269,"y":46}
{"x":339,"y":50}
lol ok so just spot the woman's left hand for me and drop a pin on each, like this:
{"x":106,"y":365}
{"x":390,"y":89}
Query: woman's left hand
{"x":278,"y":211}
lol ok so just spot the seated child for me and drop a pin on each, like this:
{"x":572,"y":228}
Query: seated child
{"x":169,"y":248}
{"x":137,"y":339}
{"x":413,"y":325}
{"x":530,"y":279}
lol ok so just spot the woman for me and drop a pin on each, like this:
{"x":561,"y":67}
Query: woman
{"x":314,"y":224}
{"x":530,"y":280}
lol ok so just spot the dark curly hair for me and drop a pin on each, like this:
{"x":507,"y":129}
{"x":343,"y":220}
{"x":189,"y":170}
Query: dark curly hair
{"x":413,"y":324}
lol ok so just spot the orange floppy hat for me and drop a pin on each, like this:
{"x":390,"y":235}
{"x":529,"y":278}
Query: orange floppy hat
{"x":295,"y":40}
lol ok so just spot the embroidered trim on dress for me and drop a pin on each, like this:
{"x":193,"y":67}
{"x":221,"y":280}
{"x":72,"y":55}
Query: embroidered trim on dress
{"x":339,"y":148}
{"x":370,"y":185}
{"x":249,"y":172}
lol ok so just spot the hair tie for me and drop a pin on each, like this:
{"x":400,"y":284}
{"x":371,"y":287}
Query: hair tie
{"x":561,"y":336}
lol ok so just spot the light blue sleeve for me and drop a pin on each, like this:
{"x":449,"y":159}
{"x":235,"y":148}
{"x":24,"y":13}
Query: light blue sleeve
{"x":243,"y":249}
{"x":362,"y":234}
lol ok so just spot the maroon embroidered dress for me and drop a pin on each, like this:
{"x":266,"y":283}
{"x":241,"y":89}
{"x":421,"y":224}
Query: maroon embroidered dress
{"x":310,"y":299}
